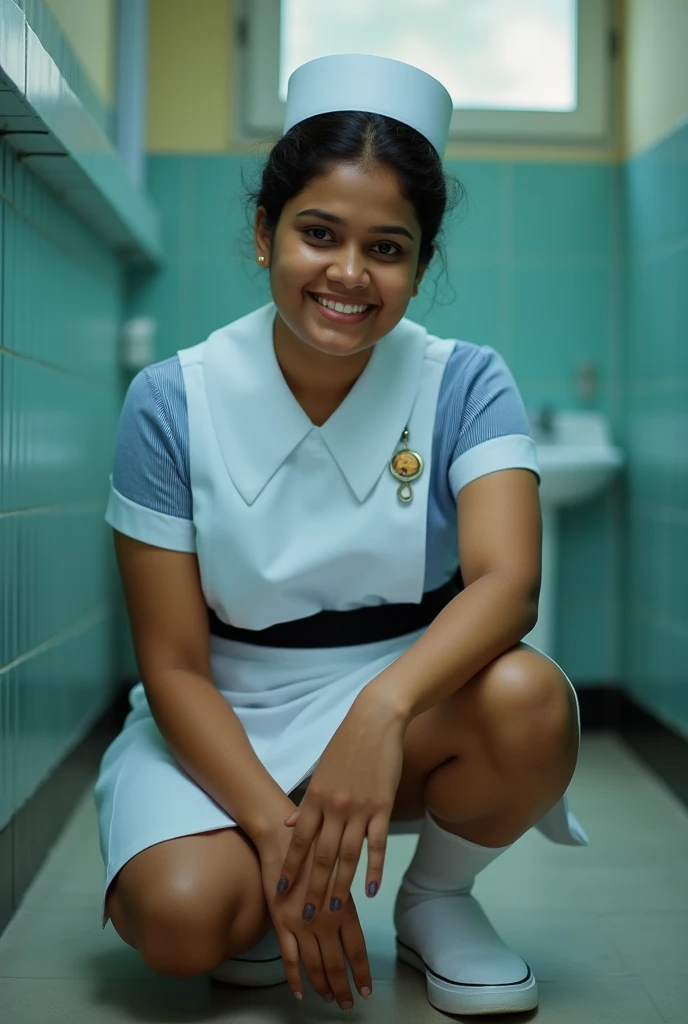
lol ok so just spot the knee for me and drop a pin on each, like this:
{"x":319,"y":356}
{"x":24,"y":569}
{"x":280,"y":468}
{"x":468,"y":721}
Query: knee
{"x":529,"y":710}
{"x":178,"y":935}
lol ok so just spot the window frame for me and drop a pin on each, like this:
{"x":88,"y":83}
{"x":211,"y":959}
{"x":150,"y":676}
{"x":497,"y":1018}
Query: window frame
{"x":131,"y":87}
{"x":258,"y":111}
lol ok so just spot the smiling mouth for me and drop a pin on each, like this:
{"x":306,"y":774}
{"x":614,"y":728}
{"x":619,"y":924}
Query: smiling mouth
{"x":346,"y":308}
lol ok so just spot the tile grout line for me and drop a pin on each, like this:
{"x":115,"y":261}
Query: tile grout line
{"x":80,"y":378}
{"x":94,"y":505}
{"x":90,"y":620}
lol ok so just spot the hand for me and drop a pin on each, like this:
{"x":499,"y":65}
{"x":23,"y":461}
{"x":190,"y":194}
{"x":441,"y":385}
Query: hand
{"x":323,"y":945}
{"x":351,"y":795}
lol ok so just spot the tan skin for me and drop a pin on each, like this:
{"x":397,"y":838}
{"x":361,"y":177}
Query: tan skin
{"x":469,"y":723}
{"x":320,"y":360}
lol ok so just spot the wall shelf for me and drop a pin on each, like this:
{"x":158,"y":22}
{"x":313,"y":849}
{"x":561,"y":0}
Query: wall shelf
{"x":58,"y":138}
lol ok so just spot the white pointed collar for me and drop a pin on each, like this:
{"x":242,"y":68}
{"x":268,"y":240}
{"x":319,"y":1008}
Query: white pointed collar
{"x":259,"y":422}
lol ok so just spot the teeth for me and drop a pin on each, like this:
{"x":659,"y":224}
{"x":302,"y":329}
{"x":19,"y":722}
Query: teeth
{"x":339,"y":307}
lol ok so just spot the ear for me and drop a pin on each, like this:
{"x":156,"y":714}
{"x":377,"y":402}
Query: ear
{"x":420,"y":273}
{"x":262,"y":236}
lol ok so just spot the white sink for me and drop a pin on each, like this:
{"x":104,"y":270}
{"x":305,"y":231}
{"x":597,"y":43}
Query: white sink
{"x":574,"y":472}
{"x":577,"y":460}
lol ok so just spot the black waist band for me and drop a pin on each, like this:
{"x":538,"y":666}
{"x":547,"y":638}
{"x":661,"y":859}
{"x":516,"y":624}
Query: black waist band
{"x":346,"y":629}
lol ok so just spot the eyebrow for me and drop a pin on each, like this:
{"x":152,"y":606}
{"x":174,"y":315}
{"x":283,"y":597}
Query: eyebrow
{"x":386,"y":229}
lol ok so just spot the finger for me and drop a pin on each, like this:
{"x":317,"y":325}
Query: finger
{"x":293,"y":818}
{"x":312,"y":961}
{"x":289,"y":948}
{"x":335,"y":968}
{"x":353,"y":943}
{"x":349,"y":855}
{"x":299,"y":847}
{"x":378,"y":832}
{"x":324,"y":862}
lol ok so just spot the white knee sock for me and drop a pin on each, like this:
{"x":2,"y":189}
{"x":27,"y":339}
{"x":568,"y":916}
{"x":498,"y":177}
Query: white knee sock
{"x":443,"y":863}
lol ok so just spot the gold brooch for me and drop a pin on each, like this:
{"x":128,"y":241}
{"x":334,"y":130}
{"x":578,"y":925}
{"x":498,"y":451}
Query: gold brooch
{"x":406,"y":466}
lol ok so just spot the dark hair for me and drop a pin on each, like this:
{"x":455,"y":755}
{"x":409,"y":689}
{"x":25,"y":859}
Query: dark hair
{"x":309,"y":149}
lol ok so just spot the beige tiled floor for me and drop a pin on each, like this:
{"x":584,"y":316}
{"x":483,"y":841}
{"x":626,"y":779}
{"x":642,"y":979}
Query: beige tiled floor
{"x":605,"y":929}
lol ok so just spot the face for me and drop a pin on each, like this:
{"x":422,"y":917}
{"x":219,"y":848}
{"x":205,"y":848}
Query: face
{"x":351,"y":238}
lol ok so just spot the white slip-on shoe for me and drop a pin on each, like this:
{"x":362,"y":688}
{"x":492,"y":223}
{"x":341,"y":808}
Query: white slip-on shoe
{"x":260,"y":967}
{"x":467,"y":967}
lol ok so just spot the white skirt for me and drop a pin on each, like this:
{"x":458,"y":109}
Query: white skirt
{"x":290,"y":702}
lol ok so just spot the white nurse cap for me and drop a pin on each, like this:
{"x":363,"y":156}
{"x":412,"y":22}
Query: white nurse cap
{"x":380,"y":85}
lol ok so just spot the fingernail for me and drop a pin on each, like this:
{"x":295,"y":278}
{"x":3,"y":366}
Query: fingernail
{"x":335,"y":904}
{"x":366,"y":993}
{"x":297,"y":995}
{"x":283,"y":884}
{"x":372,"y":888}
{"x":329,"y":998}
{"x":347,"y":1006}
{"x":308,"y":912}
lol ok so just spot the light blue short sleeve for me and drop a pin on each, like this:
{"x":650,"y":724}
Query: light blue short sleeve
{"x":150,"y":492}
{"x":481,"y":426}
{"x":485,"y":419}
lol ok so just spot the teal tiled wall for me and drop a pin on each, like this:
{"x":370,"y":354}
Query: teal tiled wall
{"x":60,"y":396}
{"x":534,"y":271}
{"x":655,"y":666}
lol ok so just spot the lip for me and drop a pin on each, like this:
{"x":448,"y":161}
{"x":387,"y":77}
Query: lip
{"x":350,"y":319}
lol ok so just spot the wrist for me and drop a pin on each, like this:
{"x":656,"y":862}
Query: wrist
{"x":268,"y":823}
{"x":386,"y":702}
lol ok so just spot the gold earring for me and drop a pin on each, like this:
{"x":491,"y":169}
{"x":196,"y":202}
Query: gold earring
{"x":261,"y":259}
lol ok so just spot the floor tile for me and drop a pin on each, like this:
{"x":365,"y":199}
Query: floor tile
{"x":669,"y":993}
{"x":561,"y":879}
{"x":651,"y":943}
{"x":62,"y":943}
{"x":402,"y":1001}
{"x":107,"y":1001}
{"x":399,"y":1001}
{"x":115,"y":1001}
{"x":596,"y":1000}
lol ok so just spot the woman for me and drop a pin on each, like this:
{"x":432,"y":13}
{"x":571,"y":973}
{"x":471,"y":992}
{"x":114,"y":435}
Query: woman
{"x":285,"y":502}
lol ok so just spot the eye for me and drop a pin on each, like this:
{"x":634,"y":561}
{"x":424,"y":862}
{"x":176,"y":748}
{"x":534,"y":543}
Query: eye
{"x":392,"y":249}
{"x":317,"y":238}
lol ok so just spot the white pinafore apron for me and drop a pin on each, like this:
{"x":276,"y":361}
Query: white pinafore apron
{"x":290,"y":520}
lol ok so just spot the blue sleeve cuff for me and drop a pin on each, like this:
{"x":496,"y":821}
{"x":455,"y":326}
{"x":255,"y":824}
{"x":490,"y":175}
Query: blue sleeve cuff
{"x":513,"y":451}
{"x":148,"y":526}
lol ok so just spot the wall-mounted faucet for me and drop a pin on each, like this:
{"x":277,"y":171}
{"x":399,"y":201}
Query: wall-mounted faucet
{"x":542,"y":423}
{"x":587,"y":381}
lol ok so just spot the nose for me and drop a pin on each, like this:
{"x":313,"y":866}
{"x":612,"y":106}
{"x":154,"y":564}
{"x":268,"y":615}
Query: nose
{"x":348,"y":268}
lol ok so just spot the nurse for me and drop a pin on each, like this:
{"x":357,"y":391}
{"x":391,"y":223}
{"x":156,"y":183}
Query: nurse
{"x":292,"y":500}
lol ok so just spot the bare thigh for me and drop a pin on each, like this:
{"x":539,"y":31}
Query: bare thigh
{"x":189,"y":903}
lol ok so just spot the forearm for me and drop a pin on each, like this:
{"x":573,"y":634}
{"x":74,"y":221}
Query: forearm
{"x":210,"y":743}
{"x":491,"y":615}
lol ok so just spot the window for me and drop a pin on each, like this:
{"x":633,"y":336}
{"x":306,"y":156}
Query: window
{"x":516,"y":69}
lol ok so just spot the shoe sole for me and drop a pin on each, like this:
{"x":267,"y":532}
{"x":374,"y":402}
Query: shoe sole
{"x":451,"y":997}
{"x":251,"y":973}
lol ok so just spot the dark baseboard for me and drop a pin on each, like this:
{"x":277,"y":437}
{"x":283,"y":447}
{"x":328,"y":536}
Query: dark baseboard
{"x":599,"y":706}
{"x":27,"y":838}
{"x":664,"y":751}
